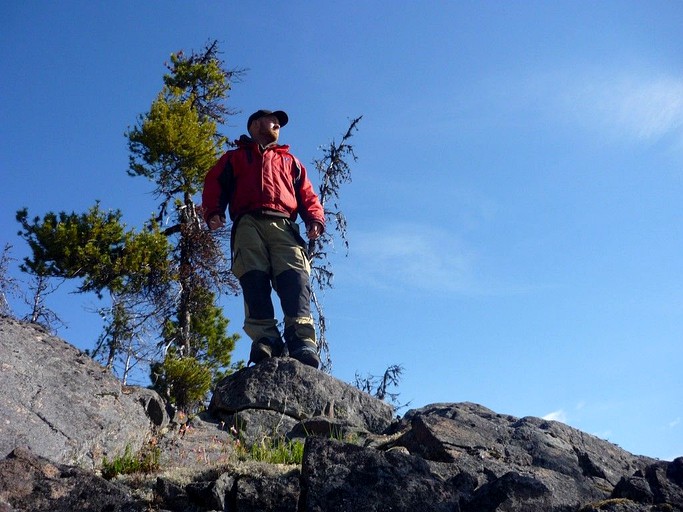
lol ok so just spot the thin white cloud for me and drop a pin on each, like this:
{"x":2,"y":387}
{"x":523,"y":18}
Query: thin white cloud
{"x":413,"y":256}
{"x":640,"y":108}
{"x":418,"y":257}
{"x":674,"y":423}
{"x":559,"y":415}
{"x":613,"y":105}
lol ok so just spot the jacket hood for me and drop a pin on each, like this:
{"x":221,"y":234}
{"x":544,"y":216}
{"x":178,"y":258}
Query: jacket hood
{"x":245,"y":141}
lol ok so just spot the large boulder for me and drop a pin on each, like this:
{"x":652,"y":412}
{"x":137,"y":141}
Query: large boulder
{"x":62,"y":405}
{"x":281,"y":396}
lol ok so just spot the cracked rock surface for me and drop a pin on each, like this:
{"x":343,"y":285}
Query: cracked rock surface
{"x":62,"y":405}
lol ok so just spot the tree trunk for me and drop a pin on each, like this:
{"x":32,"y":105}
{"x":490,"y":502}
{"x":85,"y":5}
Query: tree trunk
{"x":185,"y":277}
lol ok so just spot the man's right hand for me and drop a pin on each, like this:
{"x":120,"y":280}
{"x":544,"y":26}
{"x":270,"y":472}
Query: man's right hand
{"x":216,"y":222}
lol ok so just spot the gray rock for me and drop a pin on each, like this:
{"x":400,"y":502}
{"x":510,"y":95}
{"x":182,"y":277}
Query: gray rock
{"x":60,"y":403}
{"x":211,"y":495}
{"x":661,"y":483}
{"x":271,"y":493}
{"x":326,"y":427}
{"x":223,"y":490}
{"x":340,"y":477}
{"x":519,"y":464}
{"x":293,"y":390}
{"x":28,"y":482}
{"x":622,"y":505}
{"x":173,"y":496}
{"x":256,"y":425}
{"x":514,"y":492}
{"x":635,"y":488}
{"x":153,"y":404}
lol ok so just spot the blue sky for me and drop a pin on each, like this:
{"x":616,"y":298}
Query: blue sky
{"x":514,"y":216}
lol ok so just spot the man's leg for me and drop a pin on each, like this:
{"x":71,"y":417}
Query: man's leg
{"x":251,"y":266}
{"x":294,"y":290}
{"x":292,"y":284}
{"x":259,"y":316}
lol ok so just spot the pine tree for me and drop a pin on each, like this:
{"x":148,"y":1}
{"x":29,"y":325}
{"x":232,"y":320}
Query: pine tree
{"x":98,"y":250}
{"x":173,"y":145}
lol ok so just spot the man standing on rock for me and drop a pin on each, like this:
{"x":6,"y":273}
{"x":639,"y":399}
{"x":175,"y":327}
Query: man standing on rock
{"x":264,"y":188}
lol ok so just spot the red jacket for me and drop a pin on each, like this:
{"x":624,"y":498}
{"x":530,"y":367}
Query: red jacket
{"x":249,"y":181}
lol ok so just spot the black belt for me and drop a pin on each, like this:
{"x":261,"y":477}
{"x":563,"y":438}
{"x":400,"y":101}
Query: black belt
{"x":268,"y":214}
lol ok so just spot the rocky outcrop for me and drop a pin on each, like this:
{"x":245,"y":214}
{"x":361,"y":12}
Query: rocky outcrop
{"x":459,"y":457}
{"x":456,"y":457}
{"x":465,"y":457}
{"x":280,"y":397}
{"x":558,"y":465}
{"x":62,"y":405}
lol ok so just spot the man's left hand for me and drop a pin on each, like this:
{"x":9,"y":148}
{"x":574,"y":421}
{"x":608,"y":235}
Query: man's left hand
{"x":315,"y":229}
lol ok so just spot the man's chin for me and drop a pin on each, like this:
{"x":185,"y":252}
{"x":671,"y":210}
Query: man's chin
{"x":265,"y":139}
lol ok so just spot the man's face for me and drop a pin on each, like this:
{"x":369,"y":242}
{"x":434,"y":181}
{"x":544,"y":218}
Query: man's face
{"x":265,"y":130}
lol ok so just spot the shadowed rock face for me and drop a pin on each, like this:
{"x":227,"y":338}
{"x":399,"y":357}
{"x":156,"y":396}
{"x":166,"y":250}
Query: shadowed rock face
{"x":338,"y":476}
{"x":456,"y":457}
{"x":63,"y":405}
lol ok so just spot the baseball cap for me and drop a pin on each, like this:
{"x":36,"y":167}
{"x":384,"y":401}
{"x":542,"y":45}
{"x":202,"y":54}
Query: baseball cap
{"x":281,"y":116}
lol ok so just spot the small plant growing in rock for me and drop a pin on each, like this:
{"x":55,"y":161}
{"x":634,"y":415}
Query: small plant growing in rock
{"x":273,"y":451}
{"x":145,"y":461}
{"x":185,"y":381}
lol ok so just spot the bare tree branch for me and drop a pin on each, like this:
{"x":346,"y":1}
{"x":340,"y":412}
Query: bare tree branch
{"x":334,"y":170}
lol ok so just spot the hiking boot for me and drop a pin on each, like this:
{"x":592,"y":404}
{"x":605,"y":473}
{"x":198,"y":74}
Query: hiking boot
{"x":304,"y":351}
{"x":265,"y":348}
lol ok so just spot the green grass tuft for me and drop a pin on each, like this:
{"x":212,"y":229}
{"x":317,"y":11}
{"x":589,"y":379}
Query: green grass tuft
{"x":145,"y":461}
{"x":274,"y":452}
